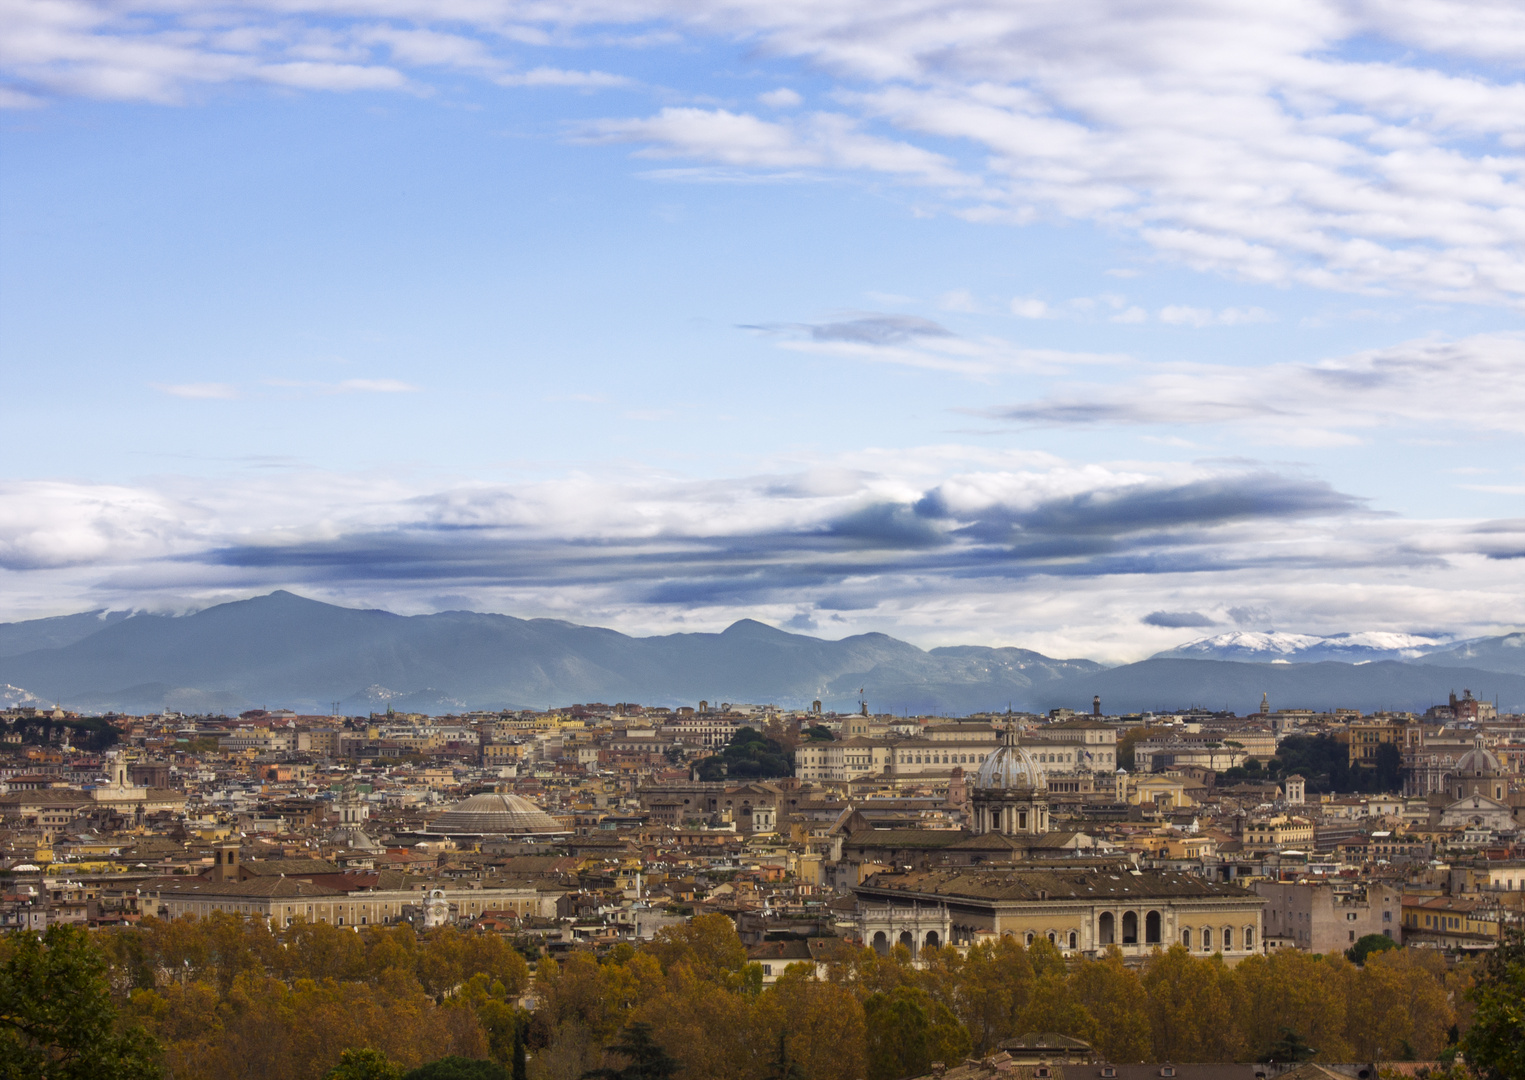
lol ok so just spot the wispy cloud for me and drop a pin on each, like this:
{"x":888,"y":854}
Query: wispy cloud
{"x":207,"y":391}
{"x":1267,"y":145}
{"x":913,"y":341}
{"x":1418,"y":383}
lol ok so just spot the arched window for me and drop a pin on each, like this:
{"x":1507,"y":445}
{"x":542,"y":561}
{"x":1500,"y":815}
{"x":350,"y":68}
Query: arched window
{"x":881,"y":943}
{"x":932,"y":940}
{"x":1152,"y":928}
{"x":1228,"y":938}
{"x":1029,"y":937}
{"x":1052,"y":940}
{"x":1207,"y":939}
{"x":1105,"y":929}
{"x":907,"y":940}
{"x":1130,"y":928}
{"x":1249,"y":937}
{"x":1074,"y":941}
{"x":1186,"y":937}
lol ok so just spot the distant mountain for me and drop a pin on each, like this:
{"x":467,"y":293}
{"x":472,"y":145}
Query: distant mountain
{"x":284,"y":650}
{"x":22,"y":637}
{"x":1505,"y":653}
{"x":1157,"y":684}
{"x":1250,"y":646}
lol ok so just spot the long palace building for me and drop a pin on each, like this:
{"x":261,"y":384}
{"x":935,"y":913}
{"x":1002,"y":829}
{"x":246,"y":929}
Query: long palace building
{"x":1082,"y":906}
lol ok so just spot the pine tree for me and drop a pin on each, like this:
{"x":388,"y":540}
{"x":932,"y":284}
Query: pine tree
{"x":648,"y":1061}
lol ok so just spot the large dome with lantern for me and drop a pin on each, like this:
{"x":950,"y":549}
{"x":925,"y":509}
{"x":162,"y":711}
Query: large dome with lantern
{"x":1010,"y":768}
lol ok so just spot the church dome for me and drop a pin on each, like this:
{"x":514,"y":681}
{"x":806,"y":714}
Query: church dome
{"x":495,"y":814}
{"x":1010,"y":768}
{"x":1479,"y":761}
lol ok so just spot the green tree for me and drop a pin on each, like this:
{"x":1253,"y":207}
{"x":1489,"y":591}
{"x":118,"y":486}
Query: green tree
{"x":1495,"y":1043}
{"x":783,"y":1067}
{"x":1368,"y":944}
{"x":908,"y":1030}
{"x":521,"y":1056}
{"x":456,"y":1067}
{"x":1289,"y":1047}
{"x":646,"y":1059}
{"x":57,"y":1020}
{"x":363,"y":1064}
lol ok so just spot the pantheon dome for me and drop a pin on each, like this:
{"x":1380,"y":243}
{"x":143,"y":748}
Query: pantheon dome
{"x":496,"y":814}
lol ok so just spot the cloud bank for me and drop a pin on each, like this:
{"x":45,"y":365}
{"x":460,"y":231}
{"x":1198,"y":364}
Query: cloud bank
{"x":1345,"y":144}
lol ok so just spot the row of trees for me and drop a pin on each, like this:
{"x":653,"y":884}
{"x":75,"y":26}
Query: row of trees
{"x":227,"y":999}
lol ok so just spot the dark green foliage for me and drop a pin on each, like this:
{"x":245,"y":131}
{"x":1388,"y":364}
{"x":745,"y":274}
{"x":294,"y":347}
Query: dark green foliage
{"x":750,"y":755}
{"x":818,"y":733}
{"x":783,"y":1068}
{"x":57,"y":1020}
{"x":521,"y":1059}
{"x":908,"y":1030}
{"x":1290,"y":1047}
{"x":457,"y":1068}
{"x":1325,"y":764}
{"x":363,"y":1064}
{"x":1495,"y":1043}
{"x":1366,"y":946}
{"x":646,"y":1060}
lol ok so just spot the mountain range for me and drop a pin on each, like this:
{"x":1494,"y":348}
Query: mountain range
{"x":286,"y":651}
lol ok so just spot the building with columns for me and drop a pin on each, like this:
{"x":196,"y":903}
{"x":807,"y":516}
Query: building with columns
{"x":1081,"y":909}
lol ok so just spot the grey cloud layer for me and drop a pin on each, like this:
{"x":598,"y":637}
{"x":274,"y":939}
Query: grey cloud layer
{"x":1234,"y":138}
{"x":1419,"y":382}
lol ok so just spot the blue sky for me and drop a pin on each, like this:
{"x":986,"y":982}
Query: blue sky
{"x":1000,"y":323}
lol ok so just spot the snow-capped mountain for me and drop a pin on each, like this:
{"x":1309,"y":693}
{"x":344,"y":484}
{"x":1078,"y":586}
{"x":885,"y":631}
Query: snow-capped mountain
{"x":1264,"y":647}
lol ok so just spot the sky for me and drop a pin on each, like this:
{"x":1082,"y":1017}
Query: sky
{"x":1087,"y":327}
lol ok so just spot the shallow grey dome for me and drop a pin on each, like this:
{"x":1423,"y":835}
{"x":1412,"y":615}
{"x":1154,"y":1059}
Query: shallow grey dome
{"x":1010,"y":768}
{"x":1479,"y":761}
{"x":494,"y":814}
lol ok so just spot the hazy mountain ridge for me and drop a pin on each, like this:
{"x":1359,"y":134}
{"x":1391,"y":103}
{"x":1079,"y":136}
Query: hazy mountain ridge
{"x":282,"y":650}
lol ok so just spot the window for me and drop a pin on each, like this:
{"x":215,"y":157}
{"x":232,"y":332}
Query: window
{"x":1207,"y":939}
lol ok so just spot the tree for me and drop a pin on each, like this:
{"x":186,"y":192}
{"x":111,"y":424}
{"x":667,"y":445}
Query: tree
{"x":1289,"y":1047}
{"x":57,"y":1019}
{"x":647,"y":1060}
{"x":363,"y":1064}
{"x":1495,"y":1043}
{"x":907,"y":1031}
{"x":749,"y":755}
{"x":457,"y":1068}
{"x":521,"y":1057}
{"x":1368,"y":944}
{"x":783,"y":1067}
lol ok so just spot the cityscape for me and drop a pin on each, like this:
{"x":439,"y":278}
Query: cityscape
{"x":759,"y":540}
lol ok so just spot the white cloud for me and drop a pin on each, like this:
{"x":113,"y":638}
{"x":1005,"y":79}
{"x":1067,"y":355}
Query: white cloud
{"x":782,"y":98}
{"x":938,"y":544}
{"x":1417,"y":385}
{"x":1183,"y":315}
{"x":375,"y":386}
{"x":1029,"y":307}
{"x":1254,"y":142}
{"x":219,"y":391}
